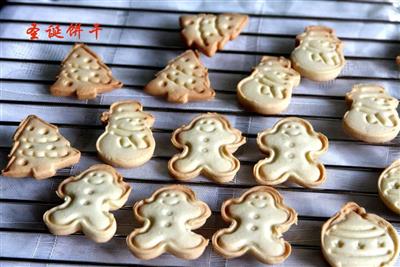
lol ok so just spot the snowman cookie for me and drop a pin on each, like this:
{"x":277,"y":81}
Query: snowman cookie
{"x":292,"y":147}
{"x":372,"y":117}
{"x":389,"y":186}
{"x":168,"y":218}
{"x":258,"y":218}
{"x":318,"y":54}
{"x":353,"y":237}
{"x":88,"y":198}
{"x":207,"y":143}
{"x":128,"y":141}
{"x":268,"y":89}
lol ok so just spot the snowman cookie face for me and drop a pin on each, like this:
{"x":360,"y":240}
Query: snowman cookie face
{"x":258,"y":219}
{"x":292,"y":147}
{"x":353,"y":237}
{"x":169,"y":215}
{"x":372,"y":117}
{"x":127,"y":141}
{"x":88,"y":199}
{"x":207,"y":143}
{"x":319,"y":54}
{"x":389,"y":186}
{"x":268,"y":89}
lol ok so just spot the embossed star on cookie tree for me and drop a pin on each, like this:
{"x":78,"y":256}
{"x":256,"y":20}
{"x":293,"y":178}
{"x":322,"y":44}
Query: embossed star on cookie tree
{"x":83,"y":74}
{"x":39,"y":150}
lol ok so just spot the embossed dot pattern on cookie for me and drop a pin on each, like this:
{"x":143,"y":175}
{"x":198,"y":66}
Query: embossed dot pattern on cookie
{"x":184,"y":79}
{"x":210,"y":33}
{"x":39,"y":150}
{"x":83,"y":74}
{"x":88,"y":198}
{"x":389,"y":186}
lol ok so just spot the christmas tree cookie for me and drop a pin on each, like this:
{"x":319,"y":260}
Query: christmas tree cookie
{"x":39,"y":150}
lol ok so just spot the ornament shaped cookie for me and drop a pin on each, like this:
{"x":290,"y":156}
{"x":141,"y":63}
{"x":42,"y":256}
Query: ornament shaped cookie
{"x":84,"y":75}
{"x":318,"y":54}
{"x":127,"y":141}
{"x":389,"y":186}
{"x":39,"y":150}
{"x":207,"y":144}
{"x":372,"y":117}
{"x":168,"y":218}
{"x":210,"y":33}
{"x":268,"y":89}
{"x":88,"y":198}
{"x":184,"y":79}
{"x":292,"y":147}
{"x":258,"y":218}
{"x":353,"y":237}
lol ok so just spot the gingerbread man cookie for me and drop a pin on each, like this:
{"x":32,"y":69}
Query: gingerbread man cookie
{"x":353,"y":237}
{"x":207,"y":143}
{"x":373,"y":117}
{"x":83,"y":74}
{"x":88,"y":198}
{"x":389,"y":186}
{"x":292,"y":147}
{"x":258,"y":218}
{"x":319,"y":54}
{"x":268,"y":89}
{"x":210,"y":33}
{"x":184,"y":79}
{"x":39,"y":150}
{"x":168,"y":218}
{"x":128,"y":141}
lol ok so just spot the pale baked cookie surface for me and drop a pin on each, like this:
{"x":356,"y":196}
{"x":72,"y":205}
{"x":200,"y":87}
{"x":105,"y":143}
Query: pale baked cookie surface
{"x":210,"y":33}
{"x":84,"y":75}
{"x":268,"y":89}
{"x":207,"y":144}
{"x":88,"y":198}
{"x":318,"y":54}
{"x":389,"y":186}
{"x":372,"y":117}
{"x":39,"y":150}
{"x":258,"y":218}
{"x":127,"y":141}
{"x":168,"y":218}
{"x":292,"y":147}
{"x":184,"y":79}
{"x":353,"y":237}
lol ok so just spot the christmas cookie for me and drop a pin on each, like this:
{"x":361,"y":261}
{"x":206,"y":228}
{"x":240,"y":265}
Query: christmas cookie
{"x":372,"y":117}
{"x":353,"y":237}
{"x":210,"y":33}
{"x":389,"y":186}
{"x":83,"y":74}
{"x":184,"y":79}
{"x":207,"y":144}
{"x":39,"y":150}
{"x":318,"y":54}
{"x":268,"y":89}
{"x":128,"y":141}
{"x":292,"y":147}
{"x":168,"y":218}
{"x":88,"y":198}
{"x":258,"y":218}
